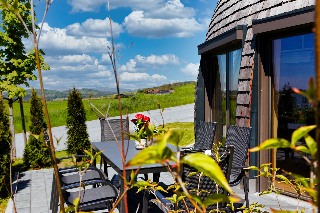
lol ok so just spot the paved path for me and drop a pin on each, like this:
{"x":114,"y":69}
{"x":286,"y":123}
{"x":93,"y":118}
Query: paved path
{"x":34,"y":191}
{"x":184,"y":113}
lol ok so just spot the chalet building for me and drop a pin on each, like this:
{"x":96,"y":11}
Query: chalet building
{"x":255,"y":52}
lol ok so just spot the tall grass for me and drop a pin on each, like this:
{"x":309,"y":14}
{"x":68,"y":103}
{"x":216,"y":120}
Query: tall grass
{"x":137,"y":103}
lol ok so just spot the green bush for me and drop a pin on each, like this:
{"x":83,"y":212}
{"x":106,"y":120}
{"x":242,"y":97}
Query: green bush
{"x":5,"y":143}
{"x":36,"y":153}
{"x":78,"y":138}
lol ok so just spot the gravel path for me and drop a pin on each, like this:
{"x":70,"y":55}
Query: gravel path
{"x":184,"y":113}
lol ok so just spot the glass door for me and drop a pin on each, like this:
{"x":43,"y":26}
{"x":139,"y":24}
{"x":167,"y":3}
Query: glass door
{"x":293,"y":65}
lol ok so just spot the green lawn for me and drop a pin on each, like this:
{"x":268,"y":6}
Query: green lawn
{"x":140,"y":102}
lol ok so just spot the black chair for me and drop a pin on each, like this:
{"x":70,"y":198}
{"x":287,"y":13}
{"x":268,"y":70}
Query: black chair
{"x":106,"y":133}
{"x":205,"y":184}
{"x":204,"y":135}
{"x":239,"y":137}
{"x":100,"y":197}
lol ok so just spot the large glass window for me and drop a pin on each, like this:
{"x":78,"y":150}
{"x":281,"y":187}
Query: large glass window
{"x":226,"y":88}
{"x":293,"y":65}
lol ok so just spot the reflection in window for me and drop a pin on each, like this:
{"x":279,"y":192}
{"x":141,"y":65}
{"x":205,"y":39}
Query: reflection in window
{"x":293,"y":65}
{"x":234,"y":69}
{"x":227,"y":68}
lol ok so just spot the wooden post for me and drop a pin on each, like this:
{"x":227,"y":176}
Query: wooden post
{"x":23,"y":122}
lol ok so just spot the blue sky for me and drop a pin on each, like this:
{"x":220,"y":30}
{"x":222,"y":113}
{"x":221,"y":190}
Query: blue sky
{"x":165,"y":35}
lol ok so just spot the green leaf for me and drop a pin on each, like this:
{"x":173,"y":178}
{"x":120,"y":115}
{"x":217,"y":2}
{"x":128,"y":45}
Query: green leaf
{"x":219,"y":198}
{"x":272,"y":144}
{"x":151,"y":155}
{"x":132,"y":175}
{"x":159,"y":188}
{"x":209,"y":167}
{"x":313,"y":193}
{"x":76,"y":202}
{"x":192,"y":173}
{"x":302,"y":149}
{"x":142,"y":184}
{"x":265,"y":193}
{"x":197,"y":199}
{"x":299,"y":133}
{"x":69,"y":209}
{"x":253,"y":168}
{"x":312,"y":145}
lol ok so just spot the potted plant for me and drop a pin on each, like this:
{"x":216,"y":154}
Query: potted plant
{"x":143,"y":129}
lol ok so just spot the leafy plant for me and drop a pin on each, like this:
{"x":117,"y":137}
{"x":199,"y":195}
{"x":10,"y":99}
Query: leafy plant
{"x":5,"y":144}
{"x":36,"y":152}
{"x":78,"y":138}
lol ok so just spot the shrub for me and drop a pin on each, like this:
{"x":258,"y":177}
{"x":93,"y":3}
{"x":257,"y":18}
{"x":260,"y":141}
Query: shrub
{"x":36,"y":153}
{"x":5,"y":143}
{"x":78,"y":138}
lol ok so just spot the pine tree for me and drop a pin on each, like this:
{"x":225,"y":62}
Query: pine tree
{"x":78,"y":138}
{"x":5,"y":143}
{"x":36,"y":153}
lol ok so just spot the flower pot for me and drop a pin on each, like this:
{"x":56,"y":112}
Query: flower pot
{"x":141,"y":144}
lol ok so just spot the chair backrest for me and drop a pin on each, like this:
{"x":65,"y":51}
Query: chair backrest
{"x":206,"y":184}
{"x":106,"y":133}
{"x":204,"y":135}
{"x":239,"y":137}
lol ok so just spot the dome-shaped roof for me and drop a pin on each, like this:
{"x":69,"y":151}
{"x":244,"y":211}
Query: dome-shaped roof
{"x":230,"y":13}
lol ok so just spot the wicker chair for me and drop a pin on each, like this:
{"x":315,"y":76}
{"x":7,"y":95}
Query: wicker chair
{"x":100,"y":197}
{"x":106,"y":133}
{"x":239,"y":137}
{"x":206,"y":184}
{"x":204,"y":135}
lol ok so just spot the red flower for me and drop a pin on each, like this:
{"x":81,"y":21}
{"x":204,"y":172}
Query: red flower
{"x":134,"y":120}
{"x":146,"y":119}
{"x":139,"y":116}
{"x":174,"y":166}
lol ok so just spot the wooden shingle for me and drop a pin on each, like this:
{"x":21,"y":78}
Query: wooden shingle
{"x":243,"y":99}
{"x":244,"y":86}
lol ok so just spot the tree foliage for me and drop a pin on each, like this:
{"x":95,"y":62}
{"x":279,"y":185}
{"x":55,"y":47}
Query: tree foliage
{"x":5,"y":143}
{"x":78,"y":138}
{"x":16,"y":65}
{"x":36,"y":153}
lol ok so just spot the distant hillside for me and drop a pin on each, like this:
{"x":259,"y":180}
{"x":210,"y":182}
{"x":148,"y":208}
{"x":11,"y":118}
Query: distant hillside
{"x":99,"y":91}
{"x":53,"y":94}
{"x":167,"y":86}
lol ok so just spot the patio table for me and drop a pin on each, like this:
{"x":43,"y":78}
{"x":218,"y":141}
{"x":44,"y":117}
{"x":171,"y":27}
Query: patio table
{"x":111,"y":156}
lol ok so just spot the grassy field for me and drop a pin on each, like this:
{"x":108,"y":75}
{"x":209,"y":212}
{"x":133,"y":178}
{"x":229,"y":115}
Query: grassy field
{"x":140,"y":102}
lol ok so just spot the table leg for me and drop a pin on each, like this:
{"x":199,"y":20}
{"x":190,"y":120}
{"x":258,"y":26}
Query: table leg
{"x":94,"y":163}
{"x":122,"y":208}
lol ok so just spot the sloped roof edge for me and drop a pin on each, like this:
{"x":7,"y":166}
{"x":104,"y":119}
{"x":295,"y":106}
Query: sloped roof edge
{"x":233,"y":34}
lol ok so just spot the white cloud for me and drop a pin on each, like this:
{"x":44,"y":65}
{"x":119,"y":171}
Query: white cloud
{"x":130,"y":66}
{"x":105,"y":59}
{"x":94,"y":28}
{"x":145,"y":77}
{"x":94,"y":5}
{"x":55,"y":41}
{"x":138,"y":25}
{"x":167,"y":59}
{"x":190,"y":70}
{"x":140,"y":63}
{"x":70,"y":59}
{"x":102,"y":74}
{"x":172,"y":9}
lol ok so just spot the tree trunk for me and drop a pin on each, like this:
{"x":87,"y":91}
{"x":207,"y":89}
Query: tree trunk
{"x":13,"y":145}
{"x":23,"y":122}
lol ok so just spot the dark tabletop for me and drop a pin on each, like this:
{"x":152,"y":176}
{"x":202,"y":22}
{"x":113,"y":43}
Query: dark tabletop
{"x":112,"y":156}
